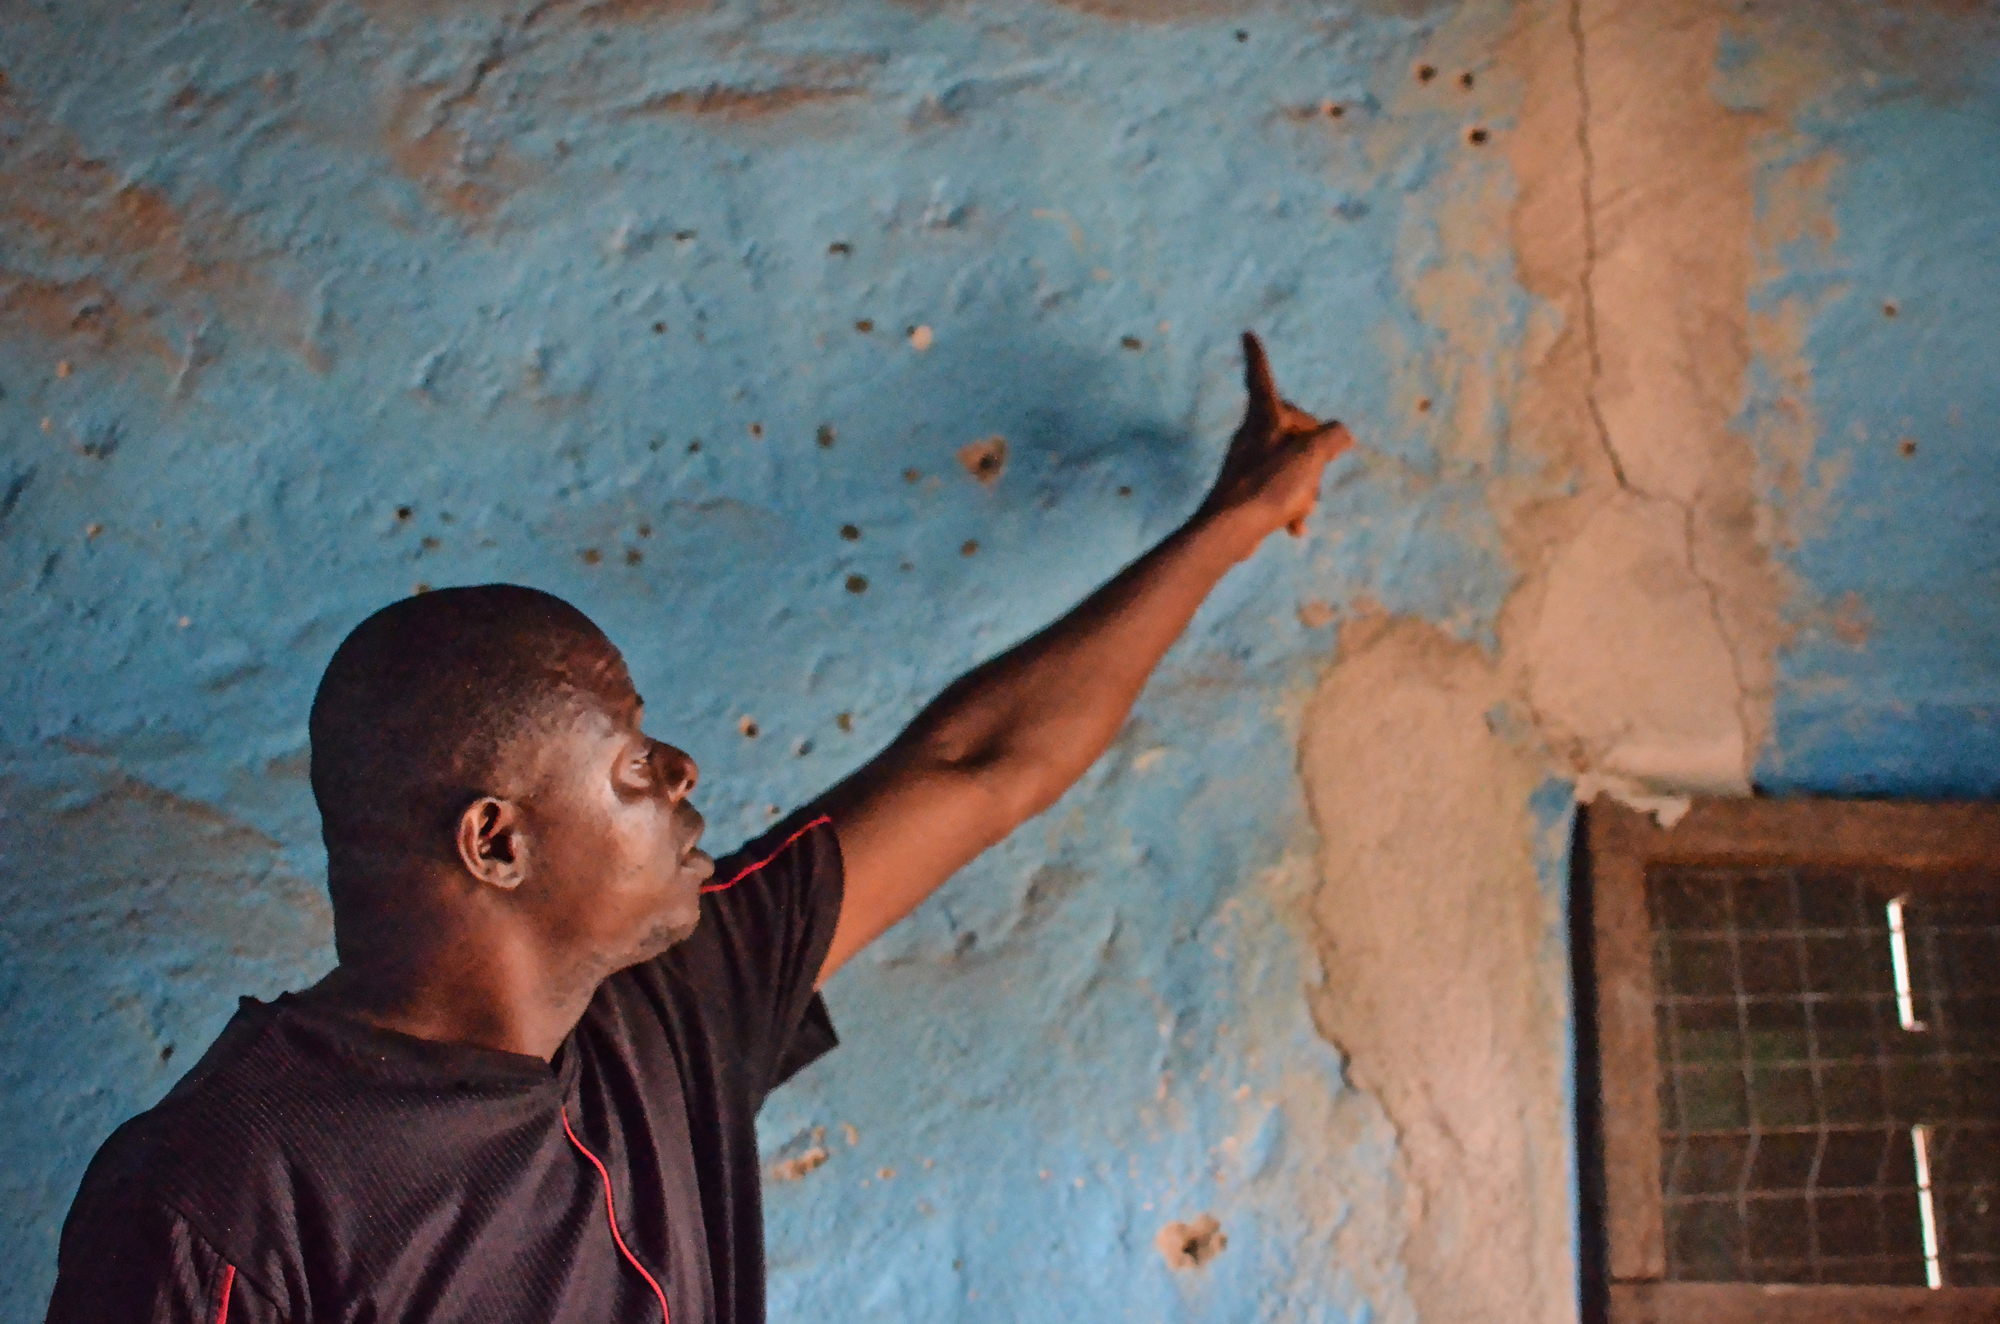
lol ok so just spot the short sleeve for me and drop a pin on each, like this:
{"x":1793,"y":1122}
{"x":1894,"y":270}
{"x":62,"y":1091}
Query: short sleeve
{"x":767,"y":921}
{"x":133,"y":1261}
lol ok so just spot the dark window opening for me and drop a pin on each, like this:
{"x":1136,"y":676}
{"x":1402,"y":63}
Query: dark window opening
{"x":1789,"y":1011}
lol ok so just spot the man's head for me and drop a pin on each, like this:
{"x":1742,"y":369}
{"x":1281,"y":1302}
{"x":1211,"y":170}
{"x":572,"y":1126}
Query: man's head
{"x":477,"y":755}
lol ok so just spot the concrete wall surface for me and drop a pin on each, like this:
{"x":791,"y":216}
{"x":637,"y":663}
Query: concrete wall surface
{"x":1668,"y":325}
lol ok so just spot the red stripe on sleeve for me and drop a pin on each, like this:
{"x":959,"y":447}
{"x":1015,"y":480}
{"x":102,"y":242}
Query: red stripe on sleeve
{"x":821,"y":821}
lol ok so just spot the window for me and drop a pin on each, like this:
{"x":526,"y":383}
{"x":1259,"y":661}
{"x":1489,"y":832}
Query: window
{"x":1792,"y":1010}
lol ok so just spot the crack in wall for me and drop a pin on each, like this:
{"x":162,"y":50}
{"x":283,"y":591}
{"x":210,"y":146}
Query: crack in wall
{"x":1587,"y":277}
{"x":1593,"y":346}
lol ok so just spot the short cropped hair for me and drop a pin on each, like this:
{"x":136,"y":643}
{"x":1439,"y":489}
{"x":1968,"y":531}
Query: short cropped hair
{"x":419,"y":702}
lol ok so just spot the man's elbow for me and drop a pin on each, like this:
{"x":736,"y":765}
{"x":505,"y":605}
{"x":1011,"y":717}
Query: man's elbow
{"x":1007,"y":785}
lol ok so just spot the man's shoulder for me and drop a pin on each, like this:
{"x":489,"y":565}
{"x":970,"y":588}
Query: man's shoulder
{"x":214,"y":1123}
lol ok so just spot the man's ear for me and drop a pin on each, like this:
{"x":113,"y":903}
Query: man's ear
{"x":492,"y":843}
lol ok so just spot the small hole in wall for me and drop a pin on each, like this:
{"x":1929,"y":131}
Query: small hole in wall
{"x":1333,"y":110}
{"x":1132,"y":342}
{"x":824,"y":436}
{"x":591,"y":556}
{"x":1241,"y":35}
{"x":1907,"y":446}
{"x":913,"y":475}
{"x":1426,"y":72}
{"x":1465,"y":80}
{"x":633,"y":556}
{"x":985,"y":460}
{"x":850,"y":532}
{"x":969,"y":548}
{"x":845,"y":721}
{"x":1889,"y":310}
{"x":659,"y":328}
{"x":1477,"y":137}
{"x":1189,"y":1245}
{"x":166,"y":1054}
{"x":403,"y":512}
{"x":839,"y":248}
{"x":757,"y":430}
{"x":1424,"y":406}
{"x":1124,"y":491}
{"x":864,"y":326}
{"x":748,"y":726}
{"x":694,"y":447}
{"x":857,"y":583}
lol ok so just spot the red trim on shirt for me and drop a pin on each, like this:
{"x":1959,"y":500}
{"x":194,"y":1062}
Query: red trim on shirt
{"x":611,"y":1212}
{"x":821,"y":821}
{"x":228,"y":1281}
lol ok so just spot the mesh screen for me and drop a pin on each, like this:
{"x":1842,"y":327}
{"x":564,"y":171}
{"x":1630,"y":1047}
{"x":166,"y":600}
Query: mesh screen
{"x":1798,"y":1090}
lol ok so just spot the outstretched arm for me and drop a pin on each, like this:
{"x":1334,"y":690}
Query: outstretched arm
{"x":1005,"y":740}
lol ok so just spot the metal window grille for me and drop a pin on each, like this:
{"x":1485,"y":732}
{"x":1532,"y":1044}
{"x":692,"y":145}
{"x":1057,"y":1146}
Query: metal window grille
{"x":1829,"y":1087}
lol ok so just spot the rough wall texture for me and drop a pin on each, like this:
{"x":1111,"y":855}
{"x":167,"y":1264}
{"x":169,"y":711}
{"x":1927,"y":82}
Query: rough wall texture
{"x":1667,"y":326}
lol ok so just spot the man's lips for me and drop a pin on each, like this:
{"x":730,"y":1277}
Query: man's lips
{"x":696,"y":861}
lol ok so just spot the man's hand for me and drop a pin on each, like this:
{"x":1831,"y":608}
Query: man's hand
{"x":1001,"y":743}
{"x":1278,"y":453}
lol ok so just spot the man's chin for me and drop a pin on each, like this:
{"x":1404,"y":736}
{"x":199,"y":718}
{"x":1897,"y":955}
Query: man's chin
{"x":670,"y":933}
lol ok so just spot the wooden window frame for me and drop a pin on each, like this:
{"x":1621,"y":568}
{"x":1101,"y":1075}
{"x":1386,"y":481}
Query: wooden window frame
{"x":1621,"y":847}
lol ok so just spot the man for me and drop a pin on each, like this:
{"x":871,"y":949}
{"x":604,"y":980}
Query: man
{"x":527,"y":1090}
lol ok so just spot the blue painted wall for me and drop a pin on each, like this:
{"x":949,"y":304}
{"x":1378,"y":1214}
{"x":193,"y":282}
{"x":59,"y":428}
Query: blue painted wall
{"x":303,"y":305}
{"x":1892,"y":684}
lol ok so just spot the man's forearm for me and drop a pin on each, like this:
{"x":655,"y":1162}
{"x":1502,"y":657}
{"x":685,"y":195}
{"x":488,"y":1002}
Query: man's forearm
{"x":1035,"y":718}
{"x":1004,"y":741}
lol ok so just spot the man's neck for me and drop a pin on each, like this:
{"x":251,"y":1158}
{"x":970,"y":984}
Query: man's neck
{"x":484,"y":991}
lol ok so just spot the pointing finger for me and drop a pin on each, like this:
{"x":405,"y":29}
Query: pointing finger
{"x":1257,"y":381}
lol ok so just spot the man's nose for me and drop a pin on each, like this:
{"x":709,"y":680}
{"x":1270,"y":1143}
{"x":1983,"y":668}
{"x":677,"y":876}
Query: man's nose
{"x":679,"y":773}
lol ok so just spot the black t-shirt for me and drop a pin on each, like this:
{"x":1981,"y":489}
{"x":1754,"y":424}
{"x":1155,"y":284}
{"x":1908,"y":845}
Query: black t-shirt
{"x":314,"y":1168}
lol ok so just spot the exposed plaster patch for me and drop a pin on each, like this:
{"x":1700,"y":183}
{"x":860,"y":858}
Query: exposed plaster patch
{"x":628,"y":11}
{"x":797,"y":1166}
{"x":102,"y":263}
{"x":1634,"y":651}
{"x":738,"y":103}
{"x":1626,"y":670}
{"x":83,"y":310}
{"x":1431,"y":928}
{"x":465,"y":173}
{"x":1664,"y":282}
